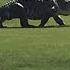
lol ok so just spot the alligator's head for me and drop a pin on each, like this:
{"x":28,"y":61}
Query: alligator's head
{"x":63,"y":6}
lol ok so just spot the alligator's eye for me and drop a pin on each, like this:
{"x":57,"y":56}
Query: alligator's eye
{"x":53,"y":7}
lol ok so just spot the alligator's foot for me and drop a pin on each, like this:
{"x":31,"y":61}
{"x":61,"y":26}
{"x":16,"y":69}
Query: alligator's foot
{"x":62,"y":25}
{"x":3,"y":26}
{"x":41,"y":26}
{"x":29,"y":26}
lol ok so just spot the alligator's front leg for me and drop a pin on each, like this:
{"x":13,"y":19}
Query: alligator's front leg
{"x":58,"y":20}
{"x":44,"y":21}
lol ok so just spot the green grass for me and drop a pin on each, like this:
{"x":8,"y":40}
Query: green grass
{"x":35,"y":48}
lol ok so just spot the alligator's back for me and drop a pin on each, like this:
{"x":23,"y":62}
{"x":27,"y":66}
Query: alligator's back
{"x":36,"y":9}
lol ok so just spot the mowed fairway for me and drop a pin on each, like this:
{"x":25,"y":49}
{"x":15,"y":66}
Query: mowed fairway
{"x":35,"y":48}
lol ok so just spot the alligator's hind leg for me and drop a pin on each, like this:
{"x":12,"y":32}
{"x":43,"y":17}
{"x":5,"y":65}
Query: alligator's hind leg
{"x":24,"y":23}
{"x":1,"y":22}
{"x":1,"y":25}
{"x":44,"y":21}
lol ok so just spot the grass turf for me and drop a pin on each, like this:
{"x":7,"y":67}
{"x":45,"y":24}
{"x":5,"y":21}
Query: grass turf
{"x":35,"y":48}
